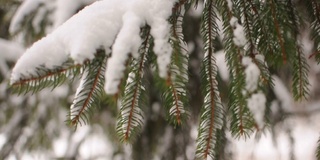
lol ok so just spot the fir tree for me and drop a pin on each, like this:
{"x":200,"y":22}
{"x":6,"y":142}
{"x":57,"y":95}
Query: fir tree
{"x":120,"y":53}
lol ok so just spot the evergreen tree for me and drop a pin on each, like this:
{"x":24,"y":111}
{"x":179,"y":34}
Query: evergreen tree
{"x":131,"y":54}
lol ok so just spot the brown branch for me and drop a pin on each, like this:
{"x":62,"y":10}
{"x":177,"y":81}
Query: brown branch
{"x":176,"y":99}
{"x":245,"y":10}
{"x":238,"y":67}
{"x":276,"y":23}
{"x":316,"y":12}
{"x":135,"y":95}
{"x":262,"y":26}
{"x":300,"y":75}
{"x":211,"y":81}
{"x":49,"y":74}
{"x":178,"y":5}
{"x":314,"y":54}
{"x":76,"y":119}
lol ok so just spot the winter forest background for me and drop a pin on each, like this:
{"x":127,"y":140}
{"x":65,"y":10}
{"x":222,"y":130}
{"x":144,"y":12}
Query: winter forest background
{"x":41,"y":126}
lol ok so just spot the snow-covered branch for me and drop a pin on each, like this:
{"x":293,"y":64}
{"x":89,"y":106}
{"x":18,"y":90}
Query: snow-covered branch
{"x":97,"y":26}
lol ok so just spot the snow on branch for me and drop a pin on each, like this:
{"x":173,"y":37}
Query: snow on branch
{"x":97,"y":26}
{"x":10,"y":51}
{"x":257,"y":99}
{"x":28,"y":7}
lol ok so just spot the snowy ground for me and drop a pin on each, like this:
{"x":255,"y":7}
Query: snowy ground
{"x":304,"y":131}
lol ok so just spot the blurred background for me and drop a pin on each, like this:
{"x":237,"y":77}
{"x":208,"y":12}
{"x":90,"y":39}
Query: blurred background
{"x":33,"y":127}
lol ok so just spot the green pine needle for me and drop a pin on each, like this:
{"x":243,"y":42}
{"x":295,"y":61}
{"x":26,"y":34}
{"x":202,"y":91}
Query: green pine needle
{"x":300,"y":85}
{"x":213,"y":113}
{"x":241,"y":120}
{"x":175,"y":91}
{"x":89,"y":92}
{"x":131,"y":117}
{"x":45,"y":78}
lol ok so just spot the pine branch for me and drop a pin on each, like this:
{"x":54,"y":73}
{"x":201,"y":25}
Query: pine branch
{"x":300,"y":85}
{"x":245,"y":9}
{"x":315,"y":25}
{"x":278,"y":30}
{"x":318,"y":149}
{"x":241,"y":120}
{"x":175,"y":92}
{"x":212,"y":115}
{"x":89,"y":91}
{"x":45,"y":78}
{"x":250,"y":14}
{"x":298,"y":61}
{"x":131,"y":116}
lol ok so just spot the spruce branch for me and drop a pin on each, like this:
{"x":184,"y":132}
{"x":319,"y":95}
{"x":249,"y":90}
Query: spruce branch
{"x":300,"y":67}
{"x":300,"y":85}
{"x":131,"y":116}
{"x":265,"y":40}
{"x":315,"y":25}
{"x":250,"y":14}
{"x":43,"y":77}
{"x":175,"y":92}
{"x":212,"y":114}
{"x":318,"y":149}
{"x":278,"y":30}
{"x":245,"y":8}
{"x":89,"y":92}
{"x":241,"y":120}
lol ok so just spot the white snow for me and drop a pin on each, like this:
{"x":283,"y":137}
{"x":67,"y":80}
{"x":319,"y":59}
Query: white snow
{"x":60,"y":145}
{"x":239,"y":38}
{"x":27,"y":8}
{"x":128,"y":41}
{"x":230,"y":4}
{"x":252,"y":73}
{"x":160,"y":30}
{"x":34,"y":57}
{"x":97,"y":145}
{"x":257,"y":101}
{"x":3,"y":140}
{"x":305,"y":133}
{"x":257,"y":106}
{"x":10,"y":51}
{"x":282,"y":94}
{"x":97,"y":26}
{"x":222,"y":65}
{"x":64,"y":10}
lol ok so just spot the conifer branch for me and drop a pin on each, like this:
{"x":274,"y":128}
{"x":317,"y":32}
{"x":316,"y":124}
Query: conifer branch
{"x":278,"y":31}
{"x":176,"y":110}
{"x":241,"y":119}
{"x":300,"y":67}
{"x":178,"y":78}
{"x":265,"y":39}
{"x":130,"y":120}
{"x":300,"y":77}
{"x":175,"y":92}
{"x":44,"y":77}
{"x":212,"y":114}
{"x":89,"y":92}
{"x":318,"y":149}
{"x":246,"y":10}
{"x":315,"y":24}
